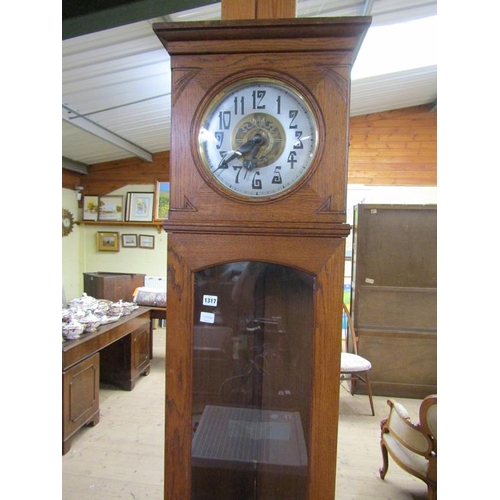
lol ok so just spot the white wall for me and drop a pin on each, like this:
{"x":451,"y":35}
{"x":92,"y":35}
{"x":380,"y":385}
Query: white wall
{"x":80,"y":252}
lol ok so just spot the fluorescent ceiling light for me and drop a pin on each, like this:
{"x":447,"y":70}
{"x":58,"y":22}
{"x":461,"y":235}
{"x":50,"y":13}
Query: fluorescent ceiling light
{"x":397,"y":47}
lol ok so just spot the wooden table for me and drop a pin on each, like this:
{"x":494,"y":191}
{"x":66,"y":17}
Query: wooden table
{"x":116,"y":353}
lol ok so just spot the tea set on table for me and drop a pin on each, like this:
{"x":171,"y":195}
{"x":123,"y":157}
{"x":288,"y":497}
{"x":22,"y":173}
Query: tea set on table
{"x":85,"y":314}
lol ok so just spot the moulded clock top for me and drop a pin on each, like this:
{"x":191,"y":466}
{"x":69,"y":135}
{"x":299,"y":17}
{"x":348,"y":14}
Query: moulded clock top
{"x":329,"y":33}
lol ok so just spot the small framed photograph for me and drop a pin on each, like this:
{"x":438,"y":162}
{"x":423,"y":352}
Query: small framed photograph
{"x":107,"y":241}
{"x":140,"y":207}
{"x":110,"y":208}
{"x":162,"y":200}
{"x":146,"y":241}
{"x":129,"y":240}
{"x":90,"y":208}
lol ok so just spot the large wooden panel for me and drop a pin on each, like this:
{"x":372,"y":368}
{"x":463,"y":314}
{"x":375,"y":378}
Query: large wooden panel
{"x":395,"y":297}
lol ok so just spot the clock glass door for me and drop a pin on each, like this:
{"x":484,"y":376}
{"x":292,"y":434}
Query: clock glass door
{"x":252,"y":362}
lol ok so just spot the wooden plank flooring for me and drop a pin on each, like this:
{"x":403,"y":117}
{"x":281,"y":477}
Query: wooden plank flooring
{"x":122,"y":456}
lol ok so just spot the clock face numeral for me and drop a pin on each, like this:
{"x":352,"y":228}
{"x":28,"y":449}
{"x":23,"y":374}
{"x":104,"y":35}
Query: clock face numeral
{"x":258,"y":139}
{"x":219,"y":137}
{"x":256,"y":181}
{"x":277,"y":176}
{"x":224,"y":120}
{"x":258,"y":98}
{"x":298,"y":143}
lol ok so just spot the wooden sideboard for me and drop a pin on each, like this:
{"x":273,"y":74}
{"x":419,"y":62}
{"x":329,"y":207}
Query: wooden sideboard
{"x":117,"y":353}
{"x":112,"y":286}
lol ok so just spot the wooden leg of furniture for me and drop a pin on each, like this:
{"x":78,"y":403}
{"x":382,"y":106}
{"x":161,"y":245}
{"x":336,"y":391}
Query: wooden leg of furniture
{"x":385,"y":454}
{"x":151,"y":338}
{"x":66,"y":444}
{"x":370,"y":395}
{"x":158,"y":315}
{"x":431,"y":492}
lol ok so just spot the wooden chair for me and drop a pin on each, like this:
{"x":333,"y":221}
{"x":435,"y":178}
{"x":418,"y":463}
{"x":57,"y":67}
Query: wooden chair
{"x":412,"y":446}
{"x":352,"y":366}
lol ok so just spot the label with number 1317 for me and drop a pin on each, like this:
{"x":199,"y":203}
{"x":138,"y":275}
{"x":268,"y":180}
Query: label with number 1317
{"x":210,"y":300}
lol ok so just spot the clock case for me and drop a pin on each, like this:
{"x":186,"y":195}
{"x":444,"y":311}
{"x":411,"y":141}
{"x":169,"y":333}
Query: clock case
{"x":303,"y":230}
{"x":315,"y":57}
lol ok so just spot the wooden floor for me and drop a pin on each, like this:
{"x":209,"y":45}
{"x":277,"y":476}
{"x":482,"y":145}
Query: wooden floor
{"x":122,"y":456}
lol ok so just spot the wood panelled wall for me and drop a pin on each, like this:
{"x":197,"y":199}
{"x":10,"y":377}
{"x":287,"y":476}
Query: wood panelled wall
{"x":110,"y":176}
{"x":393,"y":148}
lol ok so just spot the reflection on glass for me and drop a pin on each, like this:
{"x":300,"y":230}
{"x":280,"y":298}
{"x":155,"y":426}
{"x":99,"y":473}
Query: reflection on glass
{"x":251,"y":382}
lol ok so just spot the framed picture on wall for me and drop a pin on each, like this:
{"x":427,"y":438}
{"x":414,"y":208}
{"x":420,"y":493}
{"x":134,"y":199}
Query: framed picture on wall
{"x":129,"y":240}
{"x":162,"y":200}
{"x":107,"y":241}
{"x":140,"y":207}
{"x":110,"y":208}
{"x":90,"y":207}
{"x":146,"y":241}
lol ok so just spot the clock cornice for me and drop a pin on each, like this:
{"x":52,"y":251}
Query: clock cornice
{"x":341,"y":34}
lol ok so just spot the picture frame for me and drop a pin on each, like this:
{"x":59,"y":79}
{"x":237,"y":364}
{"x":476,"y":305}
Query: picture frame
{"x":110,"y":208}
{"x":90,"y":207}
{"x":129,"y":240}
{"x":108,"y":241}
{"x":162,"y":200}
{"x":146,"y":241}
{"x":140,"y":207}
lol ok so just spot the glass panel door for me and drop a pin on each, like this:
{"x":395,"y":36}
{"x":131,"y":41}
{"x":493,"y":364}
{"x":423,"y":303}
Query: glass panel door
{"x":252,"y":363}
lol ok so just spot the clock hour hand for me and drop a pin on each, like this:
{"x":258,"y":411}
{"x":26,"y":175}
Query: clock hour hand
{"x":251,"y":163}
{"x":252,"y":145}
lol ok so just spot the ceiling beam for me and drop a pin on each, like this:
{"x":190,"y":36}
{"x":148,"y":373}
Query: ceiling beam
{"x":82,"y":18}
{"x":367,"y":8}
{"x":74,"y":166}
{"x":74,"y":118}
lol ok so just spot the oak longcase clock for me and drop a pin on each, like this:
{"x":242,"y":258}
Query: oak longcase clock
{"x":256,"y":239}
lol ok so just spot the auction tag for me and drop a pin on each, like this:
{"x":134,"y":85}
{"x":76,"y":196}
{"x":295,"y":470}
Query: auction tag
{"x":210,"y":300}
{"x":207,"y":317}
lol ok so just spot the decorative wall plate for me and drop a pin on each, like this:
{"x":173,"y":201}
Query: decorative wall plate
{"x":68,"y":222}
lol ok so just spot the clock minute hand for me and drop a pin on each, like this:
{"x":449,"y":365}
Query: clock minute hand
{"x":224,"y":163}
{"x":241,"y":151}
